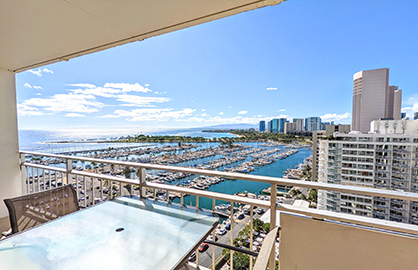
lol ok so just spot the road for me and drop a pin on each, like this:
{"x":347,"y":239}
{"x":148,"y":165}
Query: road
{"x":205,"y":258}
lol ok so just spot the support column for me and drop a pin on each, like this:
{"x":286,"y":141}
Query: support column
{"x":10,"y":183}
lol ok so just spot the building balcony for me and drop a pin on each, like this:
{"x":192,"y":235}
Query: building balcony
{"x":382,"y":185}
{"x":102,"y":187}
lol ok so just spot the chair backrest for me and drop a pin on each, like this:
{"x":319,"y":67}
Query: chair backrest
{"x":33,"y":209}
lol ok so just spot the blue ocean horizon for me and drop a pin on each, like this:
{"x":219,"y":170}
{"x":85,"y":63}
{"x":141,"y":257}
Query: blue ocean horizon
{"x":46,"y":142}
{"x":78,"y":139}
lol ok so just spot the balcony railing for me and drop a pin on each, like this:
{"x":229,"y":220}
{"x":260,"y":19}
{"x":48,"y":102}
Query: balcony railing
{"x":94,"y":187}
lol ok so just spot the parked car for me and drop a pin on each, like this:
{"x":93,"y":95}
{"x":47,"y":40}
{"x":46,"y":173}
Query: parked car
{"x":192,"y":257}
{"x":260,"y":211}
{"x":203,"y":247}
{"x":241,"y":216}
{"x":211,"y":238}
{"x":228,"y":226}
{"x":222,"y":232}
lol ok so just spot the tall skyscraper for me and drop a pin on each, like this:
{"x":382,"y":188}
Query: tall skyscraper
{"x":299,"y":123}
{"x":282,"y":121}
{"x":274,"y":125}
{"x":313,"y":124}
{"x":262,"y":126}
{"x":374,"y":99}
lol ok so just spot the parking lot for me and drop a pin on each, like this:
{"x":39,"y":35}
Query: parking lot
{"x":205,"y":258}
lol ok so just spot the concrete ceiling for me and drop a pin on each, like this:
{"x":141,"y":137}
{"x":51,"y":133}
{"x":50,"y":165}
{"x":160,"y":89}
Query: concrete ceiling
{"x":34,"y":33}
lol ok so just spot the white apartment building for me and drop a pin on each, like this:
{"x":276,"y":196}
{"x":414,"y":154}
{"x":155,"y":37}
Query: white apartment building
{"x":300,"y":123}
{"x":387,"y":160}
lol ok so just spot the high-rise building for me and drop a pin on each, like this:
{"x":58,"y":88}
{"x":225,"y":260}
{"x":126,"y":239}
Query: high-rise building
{"x":385,"y":159}
{"x":374,"y":98}
{"x":262,"y":126}
{"x":289,"y":127}
{"x":274,"y":125}
{"x":313,"y":124}
{"x":300,"y":123}
{"x":282,"y":121}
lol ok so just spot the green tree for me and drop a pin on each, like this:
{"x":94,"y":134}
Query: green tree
{"x":241,"y":261}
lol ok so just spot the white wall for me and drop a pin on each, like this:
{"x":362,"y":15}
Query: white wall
{"x":10,"y":184}
{"x":408,"y":127}
{"x":307,"y":243}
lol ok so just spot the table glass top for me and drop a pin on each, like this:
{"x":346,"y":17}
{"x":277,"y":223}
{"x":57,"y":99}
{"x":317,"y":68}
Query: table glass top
{"x":124,"y":233}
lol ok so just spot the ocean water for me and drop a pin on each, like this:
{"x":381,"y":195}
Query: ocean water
{"x":47,"y":141}
{"x":274,"y":169}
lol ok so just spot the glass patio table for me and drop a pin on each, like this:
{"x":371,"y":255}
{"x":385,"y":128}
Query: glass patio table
{"x":125,"y":233}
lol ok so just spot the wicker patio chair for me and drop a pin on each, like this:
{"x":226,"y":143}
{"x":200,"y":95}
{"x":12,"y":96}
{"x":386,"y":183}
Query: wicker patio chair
{"x":33,"y":209}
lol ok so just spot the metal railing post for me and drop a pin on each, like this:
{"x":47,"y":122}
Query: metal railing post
{"x":69,"y":167}
{"x":251,"y":235}
{"x":230,"y":233}
{"x":23,"y":175}
{"x":142,"y":179}
{"x":273,"y":200}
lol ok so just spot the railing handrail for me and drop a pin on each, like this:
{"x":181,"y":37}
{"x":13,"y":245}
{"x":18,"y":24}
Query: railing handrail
{"x":393,"y":194}
{"x":272,"y":205}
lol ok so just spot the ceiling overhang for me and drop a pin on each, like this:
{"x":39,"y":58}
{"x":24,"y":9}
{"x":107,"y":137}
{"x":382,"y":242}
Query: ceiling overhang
{"x":41,"y":32}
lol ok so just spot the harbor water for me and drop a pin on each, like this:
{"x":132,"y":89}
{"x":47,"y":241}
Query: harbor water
{"x":46,"y":142}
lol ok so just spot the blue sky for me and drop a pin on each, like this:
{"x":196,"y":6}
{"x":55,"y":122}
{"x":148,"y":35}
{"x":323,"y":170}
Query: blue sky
{"x":294,"y":60}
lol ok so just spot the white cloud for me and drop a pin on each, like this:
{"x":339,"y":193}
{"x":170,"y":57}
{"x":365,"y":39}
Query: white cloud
{"x":27,"y":85}
{"x":151,"y":114}
{"x":337,"y":118}
{"x":230,"y":107}
{"x":139,"y":101}
{"x":412,"y":101}
{"x":74,"y":115}
{"x":38,"y":94}
{"x":83,"y":99}
{"x":66,"y":103}
{"x":127,"y":87}
{"x":203,"y":110}
{"x":39,"y":71}
{"x":24,"y":110}
{"x":243,"y":112}
{"x":282,"y":110}
{"x":221,"y":113}
{"x":98,"y":91}
{"x":271,"y":88}
{"x":259,"y":115}
{"x":204,"y":114}
{"x":84,"y":85}
{"x":36,"y":72}
{"x":146,"y":85}
{"x":47,"y":70}
{"x":231,"y":120}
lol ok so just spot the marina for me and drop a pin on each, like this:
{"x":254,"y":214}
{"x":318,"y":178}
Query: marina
{"x":259,"y":158}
